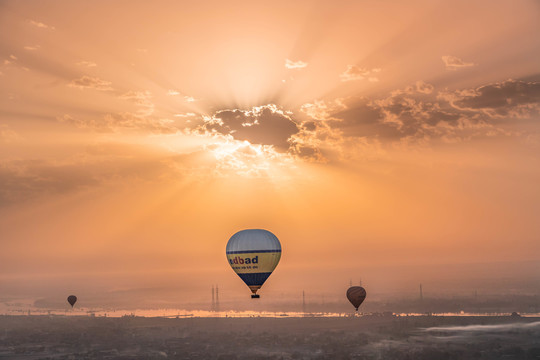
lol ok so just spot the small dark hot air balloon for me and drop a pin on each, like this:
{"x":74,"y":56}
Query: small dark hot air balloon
{"x":72,"y":299}
{"x":356,"y":295}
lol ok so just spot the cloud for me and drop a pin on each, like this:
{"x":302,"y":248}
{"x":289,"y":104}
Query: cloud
{"x":29,"y":59}
{"x":309,"y":153}
{"x":31,"y":48}
{"x":289,"y":64}
{"x":90,"y":82}
{"x":359,"y":117}
{"x":142,"y":100}
{"x":417,"y":117}
{"x":343,"y":129}
{"x":7,"y":135}
{"x":510,"y":98}
{"x":418,"y":114}
{"x":93,"y":167}
{"x":414,"y":114}
{"x":87,"y":63}
{"x":41,"y":25}
{"x":423,"y":87}
{"x":187,"y":98}
{"x":190,"y":114}
{"x":245,"y":159}
{"x":454,"y":63}
{"x":121,"y":122}
{"x":354,"y":72}
{"x":10,"y":60}
{"x":309,"y":143}
{"x":265,"y":125}
{"x":24,"y":179}
{"x":14,"y":61}
{"x":322,"y":109}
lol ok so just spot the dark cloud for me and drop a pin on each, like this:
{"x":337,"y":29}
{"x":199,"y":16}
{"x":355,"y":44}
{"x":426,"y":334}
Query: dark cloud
{"x":360,"y":117}
{"x":419,"y":112}
{"x":309,"y":125}
{"x":501,"y":98}
{"x":410,"y":113}
{"x":308,"y":153}
{"x":400,"y":115}
{"x":265,"y":125}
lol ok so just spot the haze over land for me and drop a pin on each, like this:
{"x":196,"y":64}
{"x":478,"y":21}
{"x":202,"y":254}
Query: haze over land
{"x":384,"y":142}
{"x":263,"y":338}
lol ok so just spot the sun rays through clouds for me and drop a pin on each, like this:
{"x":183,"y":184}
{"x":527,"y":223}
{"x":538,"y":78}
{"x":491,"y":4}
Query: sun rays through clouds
{"x":411,"y":128}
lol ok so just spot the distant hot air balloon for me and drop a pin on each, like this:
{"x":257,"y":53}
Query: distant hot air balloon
{"x":72,"y":299}
{"x":253,"y":254}
{"x":356,"y":295}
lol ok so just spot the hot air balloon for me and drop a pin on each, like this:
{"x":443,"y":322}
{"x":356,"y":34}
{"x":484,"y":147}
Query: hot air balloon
{"x":253,"y":254}
{"x":72,"y":299}
{"x":356,"y":295}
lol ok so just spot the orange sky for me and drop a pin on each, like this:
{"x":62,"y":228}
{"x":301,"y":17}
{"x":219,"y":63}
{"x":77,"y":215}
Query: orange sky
{"x":137,"y":137}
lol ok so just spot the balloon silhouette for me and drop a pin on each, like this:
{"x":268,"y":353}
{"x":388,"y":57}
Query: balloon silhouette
{"x":72,"y":299}
{"x":253,"y":254}
{"x":356,"y":295}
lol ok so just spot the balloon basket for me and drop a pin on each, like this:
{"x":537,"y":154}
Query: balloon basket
{"x":255,"y":296}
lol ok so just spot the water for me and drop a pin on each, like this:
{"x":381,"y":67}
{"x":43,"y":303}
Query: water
{"x":182,"y":313}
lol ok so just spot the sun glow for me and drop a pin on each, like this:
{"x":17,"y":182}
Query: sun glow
{"x":364,"y":133}
{"x":246,"y":159}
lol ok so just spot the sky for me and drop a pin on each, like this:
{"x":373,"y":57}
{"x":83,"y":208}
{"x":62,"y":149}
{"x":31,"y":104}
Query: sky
{"x":383,"y":141}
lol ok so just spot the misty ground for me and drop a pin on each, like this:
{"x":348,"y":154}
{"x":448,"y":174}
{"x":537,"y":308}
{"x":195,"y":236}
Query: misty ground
{"x":368,"y":337}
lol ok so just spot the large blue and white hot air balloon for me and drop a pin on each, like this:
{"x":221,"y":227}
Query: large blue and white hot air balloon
{"x":253,"y":254}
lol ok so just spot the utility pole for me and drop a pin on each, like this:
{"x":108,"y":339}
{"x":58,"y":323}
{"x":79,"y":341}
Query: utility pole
{"x":217,"y":298}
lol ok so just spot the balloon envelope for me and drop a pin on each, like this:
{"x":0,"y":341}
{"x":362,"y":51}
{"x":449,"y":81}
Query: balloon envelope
{"x":356,"y":295}
{"x":72,"y":299}
{"x":253,"y":254}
